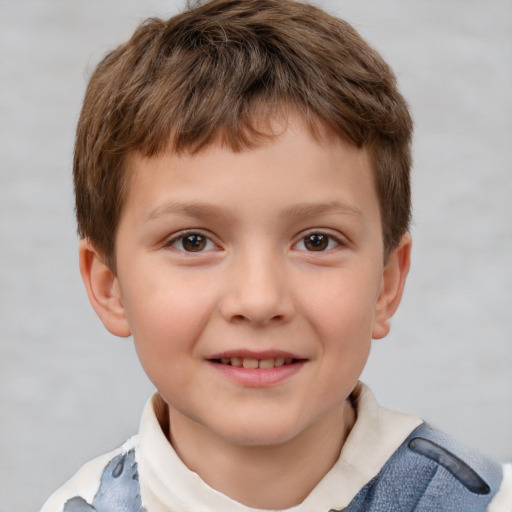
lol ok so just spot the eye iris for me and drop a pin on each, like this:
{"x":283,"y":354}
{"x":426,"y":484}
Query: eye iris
{"x":316,"y":242}
{"x":194,"y":243}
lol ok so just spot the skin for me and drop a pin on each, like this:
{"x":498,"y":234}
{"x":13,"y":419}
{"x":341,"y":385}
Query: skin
{"x":255,"y":288}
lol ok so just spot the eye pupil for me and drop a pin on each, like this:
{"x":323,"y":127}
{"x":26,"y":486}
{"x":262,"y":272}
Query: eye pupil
{"x":194,"y":243}
{"x":316,"y":242}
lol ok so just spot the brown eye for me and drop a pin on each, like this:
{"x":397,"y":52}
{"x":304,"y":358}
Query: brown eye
{"x":193,"y":242}
{"x":316,"y":242}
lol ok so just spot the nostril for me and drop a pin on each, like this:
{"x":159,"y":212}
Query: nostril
{"x":243,"y":318}
{"x":277,"y":318}
{"x":255,"y":308}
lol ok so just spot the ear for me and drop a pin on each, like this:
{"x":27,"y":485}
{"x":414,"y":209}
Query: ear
{"x":103,"y":290}
{"x":392,"y":286}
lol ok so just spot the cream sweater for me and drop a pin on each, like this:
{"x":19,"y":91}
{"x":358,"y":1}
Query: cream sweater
{"x":167,"y":485}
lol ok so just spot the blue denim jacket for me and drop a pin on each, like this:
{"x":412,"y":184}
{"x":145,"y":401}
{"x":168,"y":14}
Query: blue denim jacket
{"x":430,"y":472}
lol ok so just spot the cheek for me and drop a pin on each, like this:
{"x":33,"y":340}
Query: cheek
{"x":167,"y":316}
{"x":341,"y":313}
{"x":341,"y":308}
{"x":166,"y":334}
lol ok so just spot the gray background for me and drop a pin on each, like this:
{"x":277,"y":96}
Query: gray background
{"x":69,"y":390}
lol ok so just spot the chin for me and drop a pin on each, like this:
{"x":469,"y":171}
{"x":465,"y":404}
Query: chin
{"x":261,"y":434}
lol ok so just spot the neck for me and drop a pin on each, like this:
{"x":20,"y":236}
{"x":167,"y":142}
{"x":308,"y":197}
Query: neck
{"x":253,"y":475}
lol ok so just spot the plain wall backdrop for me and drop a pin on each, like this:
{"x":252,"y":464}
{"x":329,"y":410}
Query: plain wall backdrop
{"x":69,"y":390}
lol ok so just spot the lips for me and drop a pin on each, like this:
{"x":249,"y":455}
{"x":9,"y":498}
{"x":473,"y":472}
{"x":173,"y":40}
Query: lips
{"x":252,"y":362}
{"x":257,"y":369}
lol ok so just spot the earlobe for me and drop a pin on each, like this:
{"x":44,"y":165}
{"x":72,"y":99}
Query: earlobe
{"x":103,"y":290}
{"x":392,"y":287}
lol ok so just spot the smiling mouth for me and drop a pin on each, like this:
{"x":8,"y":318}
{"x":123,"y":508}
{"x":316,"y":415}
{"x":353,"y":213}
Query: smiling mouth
{"x":252,"y":363}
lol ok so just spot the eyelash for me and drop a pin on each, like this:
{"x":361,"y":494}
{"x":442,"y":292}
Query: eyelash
{"x":321,"y":237}
{"x":315,"y":237}
{"x":181,"y":239}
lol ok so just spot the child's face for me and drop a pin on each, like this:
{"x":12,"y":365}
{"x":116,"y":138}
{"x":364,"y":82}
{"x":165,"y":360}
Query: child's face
{"x":272,"y":256}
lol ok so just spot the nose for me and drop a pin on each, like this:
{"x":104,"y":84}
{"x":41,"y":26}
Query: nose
{"x":257,"y":292}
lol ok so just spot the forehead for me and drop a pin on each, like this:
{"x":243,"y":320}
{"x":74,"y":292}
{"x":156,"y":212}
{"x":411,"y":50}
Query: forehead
{"x":290,"y":170}
{"x":264,"y":125}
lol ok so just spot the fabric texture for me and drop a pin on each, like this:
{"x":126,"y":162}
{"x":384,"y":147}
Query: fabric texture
{"x":427,"y":474}
{"x":118,"y":491}
{"x":390,"y":463}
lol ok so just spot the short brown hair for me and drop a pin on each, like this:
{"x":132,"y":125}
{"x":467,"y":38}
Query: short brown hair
{"x":211,"y":73}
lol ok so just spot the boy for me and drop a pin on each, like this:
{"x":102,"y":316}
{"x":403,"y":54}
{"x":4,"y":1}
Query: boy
{"x":243,"y":200}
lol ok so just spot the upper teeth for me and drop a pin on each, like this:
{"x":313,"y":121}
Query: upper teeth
{"x":249,"y":362}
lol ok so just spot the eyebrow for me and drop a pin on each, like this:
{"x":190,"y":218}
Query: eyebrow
{"x":205,"y":210}
{"x":198,"y":210}
{"x":315,"y":209}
